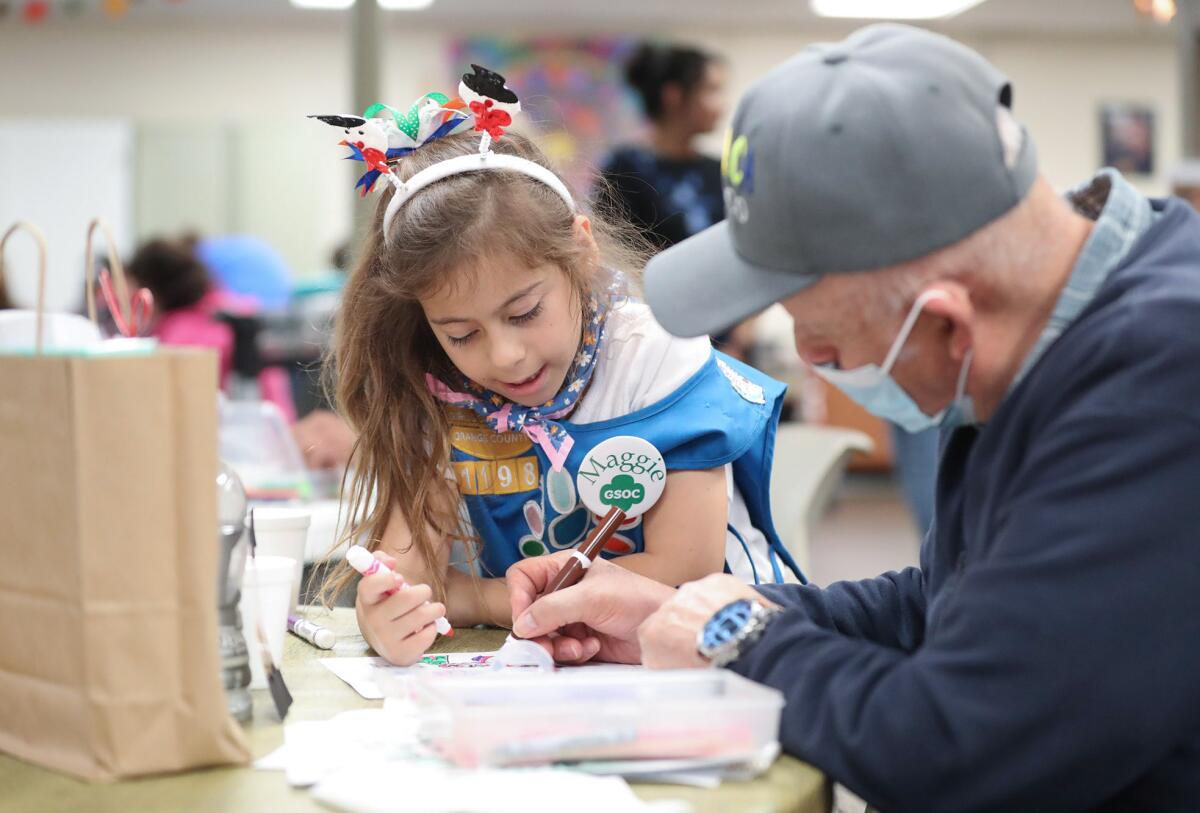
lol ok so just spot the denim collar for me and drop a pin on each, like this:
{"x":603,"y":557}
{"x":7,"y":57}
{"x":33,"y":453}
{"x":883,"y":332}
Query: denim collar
{"x":1122,"y":215}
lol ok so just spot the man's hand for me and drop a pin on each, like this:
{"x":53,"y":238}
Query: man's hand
{"x":668,"y":637}
{"x":597,"y":618}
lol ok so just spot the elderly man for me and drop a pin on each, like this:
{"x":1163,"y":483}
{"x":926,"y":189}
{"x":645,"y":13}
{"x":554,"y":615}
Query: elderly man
{"x":1046,"y":654}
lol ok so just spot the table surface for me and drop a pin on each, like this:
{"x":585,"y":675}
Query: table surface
{"x":790,"y":786}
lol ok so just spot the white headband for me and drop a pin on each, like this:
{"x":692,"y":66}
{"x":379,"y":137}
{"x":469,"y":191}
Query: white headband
{"x":469,"y":163}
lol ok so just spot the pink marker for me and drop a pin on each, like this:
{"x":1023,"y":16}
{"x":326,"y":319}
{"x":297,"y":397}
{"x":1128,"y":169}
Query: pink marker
{"x":365,"y":563}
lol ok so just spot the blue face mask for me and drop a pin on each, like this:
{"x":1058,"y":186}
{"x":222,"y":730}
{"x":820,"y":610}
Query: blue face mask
{"x":873,"y":388}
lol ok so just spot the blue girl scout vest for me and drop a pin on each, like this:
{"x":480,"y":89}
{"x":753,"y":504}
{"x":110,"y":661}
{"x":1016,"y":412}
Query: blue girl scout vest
{"x":727,"y":412}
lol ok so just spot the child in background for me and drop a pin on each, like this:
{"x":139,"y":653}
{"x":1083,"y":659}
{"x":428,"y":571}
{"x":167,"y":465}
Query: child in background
{"x":486,"y":342}
{"x":186,"y":304}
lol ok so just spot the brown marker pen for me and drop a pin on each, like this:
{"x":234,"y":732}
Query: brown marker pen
{"x":583,"y":556}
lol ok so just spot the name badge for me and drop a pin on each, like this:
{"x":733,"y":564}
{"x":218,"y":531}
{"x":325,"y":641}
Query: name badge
{"x":624,"y":471}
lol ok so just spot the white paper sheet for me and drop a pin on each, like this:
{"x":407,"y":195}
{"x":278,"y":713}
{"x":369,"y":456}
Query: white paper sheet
{"x":427,"y":789}
{"x":313,"y":748}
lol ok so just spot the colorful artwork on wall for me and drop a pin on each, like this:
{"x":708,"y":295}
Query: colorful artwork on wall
{"x":572,"y":93}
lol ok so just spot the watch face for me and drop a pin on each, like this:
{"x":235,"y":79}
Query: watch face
{"x":727,"y":623}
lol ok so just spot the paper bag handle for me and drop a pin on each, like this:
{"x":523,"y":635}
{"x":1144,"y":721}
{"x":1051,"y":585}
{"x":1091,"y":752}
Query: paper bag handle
{"x":40,"y":239}
{"x":115,"y":268}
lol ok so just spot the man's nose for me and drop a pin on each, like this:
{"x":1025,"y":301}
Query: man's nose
{"x":815,"y":353}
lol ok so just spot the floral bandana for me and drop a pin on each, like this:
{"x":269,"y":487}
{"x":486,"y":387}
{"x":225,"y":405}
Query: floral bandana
{"x":538,"y":423}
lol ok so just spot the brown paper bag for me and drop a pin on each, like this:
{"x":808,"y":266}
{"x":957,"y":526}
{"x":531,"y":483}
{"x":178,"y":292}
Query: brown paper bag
{"x":109,"y":664}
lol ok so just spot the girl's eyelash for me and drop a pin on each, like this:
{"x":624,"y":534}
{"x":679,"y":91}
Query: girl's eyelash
{"x":528,"y":316}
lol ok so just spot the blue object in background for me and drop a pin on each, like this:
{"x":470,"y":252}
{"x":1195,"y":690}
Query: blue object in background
{"x":247,"y":265}
{"x":916,"y":466}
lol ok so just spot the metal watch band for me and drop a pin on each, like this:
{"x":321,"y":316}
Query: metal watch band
{"x":734,"y":648}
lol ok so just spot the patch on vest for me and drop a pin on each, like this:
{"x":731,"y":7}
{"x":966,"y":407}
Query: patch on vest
{"x":515,"y":476}
{"x":468,"y":433}
{"x":742,"y":386}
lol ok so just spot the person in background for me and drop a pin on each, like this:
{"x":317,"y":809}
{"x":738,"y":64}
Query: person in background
{"x":324,"y":289}
{"x":667,"y":187}
{"x":325,"y":440}
{"x":186,"y":308}
{"x":324,"y":437}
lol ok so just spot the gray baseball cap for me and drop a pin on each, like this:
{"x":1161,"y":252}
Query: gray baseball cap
{"x":850,"y":156}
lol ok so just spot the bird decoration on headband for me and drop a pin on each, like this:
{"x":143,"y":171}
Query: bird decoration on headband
{"x":383,"y":134}
{"x":492,"y":104}
{"x":366,"y":138}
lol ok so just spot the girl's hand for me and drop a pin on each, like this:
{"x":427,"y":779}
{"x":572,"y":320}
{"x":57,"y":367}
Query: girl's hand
{"x":393,"y":615}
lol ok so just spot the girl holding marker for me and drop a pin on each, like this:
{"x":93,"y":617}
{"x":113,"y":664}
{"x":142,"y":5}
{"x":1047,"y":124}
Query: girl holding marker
{"x":488,"y":342}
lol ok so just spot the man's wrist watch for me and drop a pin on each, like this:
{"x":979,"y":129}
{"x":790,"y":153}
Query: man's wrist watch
{"x":733,"y":629}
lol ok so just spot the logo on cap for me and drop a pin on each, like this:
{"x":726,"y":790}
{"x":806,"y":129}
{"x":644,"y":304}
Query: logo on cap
{"x":737,"y":173}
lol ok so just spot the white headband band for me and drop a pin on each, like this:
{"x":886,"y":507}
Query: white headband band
{"x":469,"y":163}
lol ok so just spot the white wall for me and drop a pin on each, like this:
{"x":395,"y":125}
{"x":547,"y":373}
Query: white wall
{"x":249,"y":160}
{"x":1059,"y":83}
{"x":59,"y":174}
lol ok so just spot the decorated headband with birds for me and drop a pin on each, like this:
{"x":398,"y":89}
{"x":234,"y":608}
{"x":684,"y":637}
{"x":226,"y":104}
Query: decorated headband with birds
{"x":383,"y":135}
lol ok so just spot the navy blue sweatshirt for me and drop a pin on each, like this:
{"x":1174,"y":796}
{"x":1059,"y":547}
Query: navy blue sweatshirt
{"x":1046,"y":655}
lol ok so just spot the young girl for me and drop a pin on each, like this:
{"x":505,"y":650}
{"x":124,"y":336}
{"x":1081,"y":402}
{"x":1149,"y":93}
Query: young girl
{"x":186,"y":305}
{"x":485,"y":344}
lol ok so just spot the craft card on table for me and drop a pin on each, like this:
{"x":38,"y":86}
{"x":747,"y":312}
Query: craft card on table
{"x":369,"y":676}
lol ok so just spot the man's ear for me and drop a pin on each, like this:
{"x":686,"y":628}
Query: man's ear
{"x":959,"y":312}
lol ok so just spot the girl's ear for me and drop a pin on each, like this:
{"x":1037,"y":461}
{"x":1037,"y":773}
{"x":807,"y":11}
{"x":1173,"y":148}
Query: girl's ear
{"x":583,"y":233}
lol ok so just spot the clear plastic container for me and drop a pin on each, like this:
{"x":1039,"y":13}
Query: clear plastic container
{"x":594,"y":713}
{"x":256,"y":441}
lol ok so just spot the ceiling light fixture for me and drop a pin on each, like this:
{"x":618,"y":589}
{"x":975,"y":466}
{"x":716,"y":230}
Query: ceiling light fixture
{"x":891,"y":9}
{"x":387,"y":5}
{"x":322,"y":4}
{"x":1161,"y":11}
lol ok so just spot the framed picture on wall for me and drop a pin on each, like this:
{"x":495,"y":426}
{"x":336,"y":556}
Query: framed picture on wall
{"x":1127,"y":138}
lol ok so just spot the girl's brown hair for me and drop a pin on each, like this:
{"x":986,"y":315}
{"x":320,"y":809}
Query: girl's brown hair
{"x":384,"y":346}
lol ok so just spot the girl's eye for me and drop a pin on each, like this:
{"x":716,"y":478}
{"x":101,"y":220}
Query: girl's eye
{"x":462,"y":339}
{"x":527,"y":316}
